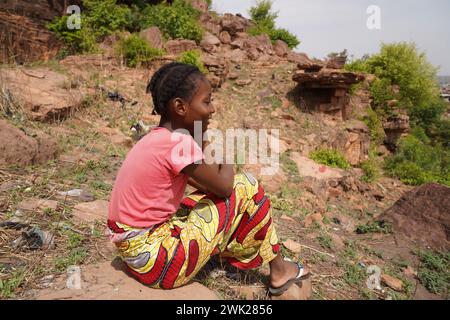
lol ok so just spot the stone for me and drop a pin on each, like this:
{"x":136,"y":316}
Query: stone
{"x":281,"y":48}
{"x":292,"y":246}
{"x":300,"y":291}
{"x":34,"y":204}
{"x":110,"y":281}
{"x":217,"y":67}
{"x":234,"y":23}
{"x":225,"y":37}
{"x":209,"y":42}
{"x":45,"y":95}
{"x":309,"y":168}
{"x":353,"y":142}
{"x":310,"y":219}
{"x":16,"y":147}
{"x":178,"y":46}
{"x":395,"y":127}
{"x":422,"y":215}
{"x":392,"y":282}
{"x":287,"y":218}
{"x":243,"y":82}
{"x":153,"y":36}
{"x":233,"y":76}
{"x":90,"y":212}
{"x":210,"y":23}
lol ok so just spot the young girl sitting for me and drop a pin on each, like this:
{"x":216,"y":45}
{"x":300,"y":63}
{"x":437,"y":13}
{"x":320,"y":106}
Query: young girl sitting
{"x":164,"y":239}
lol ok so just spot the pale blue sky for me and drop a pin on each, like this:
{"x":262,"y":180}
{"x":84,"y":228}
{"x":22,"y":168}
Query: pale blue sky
{"x":325,"y":26}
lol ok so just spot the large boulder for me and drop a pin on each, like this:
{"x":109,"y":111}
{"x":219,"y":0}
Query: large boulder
{"x":210,"y":23}
{"x":234,"y":23}
{"x":46,"y":95}
{"x":353,"y":142}
{"x":218,"y":69}
{"x":225,"y":37}
{"x":23,"y":33}
{"x":180,"y":45}
{"x":281,"y":48}
{"x":395,"y":127}
{"x":153,"y":36}
{"x":423,"y":215}
{"x":209,"y":42}
{"x":18,"y":148}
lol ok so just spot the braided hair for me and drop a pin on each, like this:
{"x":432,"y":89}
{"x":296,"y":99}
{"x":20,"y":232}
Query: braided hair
{"x":173,"y":80}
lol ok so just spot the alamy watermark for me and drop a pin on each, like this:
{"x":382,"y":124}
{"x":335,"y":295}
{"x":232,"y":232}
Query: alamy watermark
{"x":374,"y":19}
{"x":74,"y":20}
{"x":231,"y":147}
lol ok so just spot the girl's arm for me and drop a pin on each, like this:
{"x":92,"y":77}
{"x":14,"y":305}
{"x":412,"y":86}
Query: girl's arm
{"x":197,"y":185}
{"x":216,"y":178}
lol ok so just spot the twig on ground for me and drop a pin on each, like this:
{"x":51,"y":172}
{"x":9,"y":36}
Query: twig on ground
{"x":318,"y":251}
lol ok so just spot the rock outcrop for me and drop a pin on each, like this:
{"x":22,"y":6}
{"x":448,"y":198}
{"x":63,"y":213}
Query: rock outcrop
{"x":423,"y":215}
{"x":395,"y":127}
{"x":45,"y":94}
{"x":323,"y":89}
{"x":23,"y":33}
{"x":353,"y":142}
{"x":19,"y":148}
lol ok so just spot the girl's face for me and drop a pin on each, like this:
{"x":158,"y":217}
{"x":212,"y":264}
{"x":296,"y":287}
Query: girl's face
{"x":200,"y":108}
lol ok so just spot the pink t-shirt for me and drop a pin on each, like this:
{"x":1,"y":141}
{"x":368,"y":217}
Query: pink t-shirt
{"x":150,"y":185}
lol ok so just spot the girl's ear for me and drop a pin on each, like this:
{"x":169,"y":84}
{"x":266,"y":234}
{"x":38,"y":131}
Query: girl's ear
{"x":179,"y":107}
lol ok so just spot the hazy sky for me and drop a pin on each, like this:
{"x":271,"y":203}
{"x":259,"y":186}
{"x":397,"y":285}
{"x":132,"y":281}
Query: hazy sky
{"x":325,"y":26}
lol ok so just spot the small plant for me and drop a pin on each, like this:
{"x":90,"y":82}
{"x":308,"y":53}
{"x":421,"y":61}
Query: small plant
{"x":74,"y":257}
{"x":179,"y":20}
{"x":371,"y":171}
{"x":193,"y":57}
{"x":434,"y":272}
{"x":381,"y":226}
{"x":100,"y":18}
{"x":325,"y":241}
{"x":331,"y":158}
{"x":264,"y":20}
{"x":9,"y":285}
{"x":136,"y":51}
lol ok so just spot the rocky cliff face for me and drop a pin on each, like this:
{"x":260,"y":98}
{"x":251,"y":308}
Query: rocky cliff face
{"x":323,"y":87}
{"x":23,"y":35}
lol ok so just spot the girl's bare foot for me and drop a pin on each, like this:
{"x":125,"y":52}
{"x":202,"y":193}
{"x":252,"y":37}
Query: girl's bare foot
{"x":281,"y":271}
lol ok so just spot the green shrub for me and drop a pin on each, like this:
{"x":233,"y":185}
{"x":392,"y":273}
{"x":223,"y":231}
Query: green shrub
{"x":136,"y":51}
{"x":402,"y":64}
{"x":375,"y":125}
{"x":371,"y":170}
{"x":179,"y":20}
{"x":434,"y":272}
{"x":284,"y":35}
{"x":193,"y":57}
{"x":105,"y":16}
{"x":331,"y":158}
{"x":374,"y":227}
{"x":99,"y":19}
{"x":77,"y":40}
{"x":264,"y":20}
{"x":417,"y":162}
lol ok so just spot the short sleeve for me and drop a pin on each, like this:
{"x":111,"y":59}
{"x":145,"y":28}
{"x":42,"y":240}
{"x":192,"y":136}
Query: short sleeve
{"x":184,"y":152}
